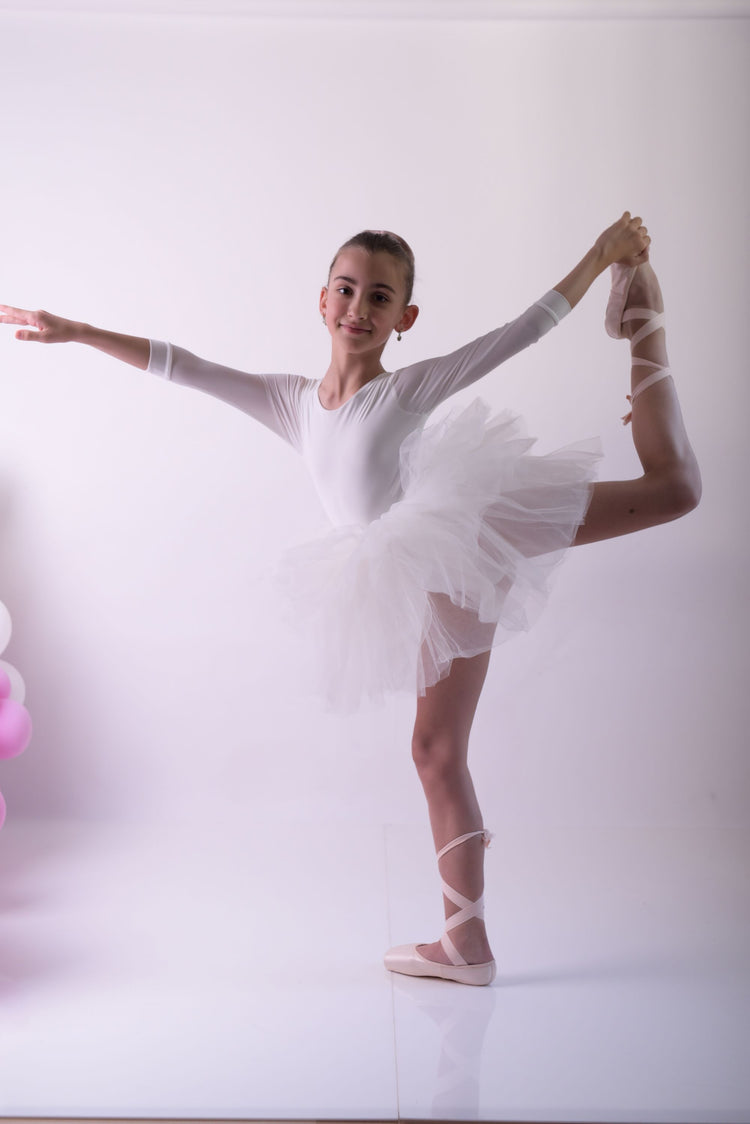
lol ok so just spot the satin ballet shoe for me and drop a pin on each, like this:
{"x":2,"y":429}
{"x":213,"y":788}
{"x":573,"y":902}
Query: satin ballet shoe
{"x":622,"y":278}
{"x":617,"y":315}
{"x":408,"y":960}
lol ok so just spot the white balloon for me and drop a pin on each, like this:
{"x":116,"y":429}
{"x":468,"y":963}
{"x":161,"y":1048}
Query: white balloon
{"x":17,"y":685}
{"x":5,"y":627}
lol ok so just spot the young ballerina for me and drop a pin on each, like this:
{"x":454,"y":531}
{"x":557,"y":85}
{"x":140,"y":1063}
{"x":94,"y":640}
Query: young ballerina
{"x":442,"y":537}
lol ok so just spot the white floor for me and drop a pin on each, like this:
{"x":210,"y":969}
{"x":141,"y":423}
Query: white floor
{"x":237,"y":974}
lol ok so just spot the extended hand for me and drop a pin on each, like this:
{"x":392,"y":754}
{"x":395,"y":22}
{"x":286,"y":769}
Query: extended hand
{"x":40,"y":326}
{"x":626,"y":240}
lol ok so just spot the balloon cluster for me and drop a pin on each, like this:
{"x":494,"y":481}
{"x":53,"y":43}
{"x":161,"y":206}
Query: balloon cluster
{"x":15,"y":721}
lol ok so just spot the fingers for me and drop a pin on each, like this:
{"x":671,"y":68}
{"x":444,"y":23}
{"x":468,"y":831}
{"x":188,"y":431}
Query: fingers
{"x":627,"y":240}
{"x":10,"y":310}
{"x":11,"y":315}
{"x":633,"y":222}
{"x":636,"y":223}
{"x":642,"y":237}
{"x":632,"y":225}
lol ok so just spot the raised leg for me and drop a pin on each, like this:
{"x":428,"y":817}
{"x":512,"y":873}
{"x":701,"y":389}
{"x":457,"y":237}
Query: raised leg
{"x":670,"y":485}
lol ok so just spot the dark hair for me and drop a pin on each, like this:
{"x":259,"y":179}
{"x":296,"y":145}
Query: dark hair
{"x":383,"y":242}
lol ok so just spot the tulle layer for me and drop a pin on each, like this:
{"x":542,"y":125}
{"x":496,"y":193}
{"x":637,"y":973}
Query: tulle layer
{"x":456,"y":566}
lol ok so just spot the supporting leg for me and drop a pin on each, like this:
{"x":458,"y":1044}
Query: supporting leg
{"x":440,"y":749}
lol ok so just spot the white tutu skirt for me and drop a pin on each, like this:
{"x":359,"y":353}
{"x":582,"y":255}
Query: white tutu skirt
{"x":456,"y":566}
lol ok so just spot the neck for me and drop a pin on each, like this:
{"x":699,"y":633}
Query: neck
{"x":347,"y":373}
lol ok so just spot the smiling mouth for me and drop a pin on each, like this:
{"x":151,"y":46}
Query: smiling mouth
{"x":355,"y":331}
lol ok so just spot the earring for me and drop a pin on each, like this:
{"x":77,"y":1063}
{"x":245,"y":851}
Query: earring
{"x":398,"y":337}
{"x":323,"y":318}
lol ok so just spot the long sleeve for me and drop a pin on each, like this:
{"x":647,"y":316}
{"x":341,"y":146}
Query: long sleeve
{"x":273,"y":400}
{"x":423,"y":386}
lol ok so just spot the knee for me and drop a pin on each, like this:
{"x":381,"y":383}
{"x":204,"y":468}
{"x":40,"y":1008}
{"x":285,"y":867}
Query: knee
{"x":438,"y":757}
{"x":682,"y":492}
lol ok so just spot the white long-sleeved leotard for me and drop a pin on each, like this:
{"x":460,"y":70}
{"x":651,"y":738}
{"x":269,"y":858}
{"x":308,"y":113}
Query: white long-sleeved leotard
{"x":352,"y":452}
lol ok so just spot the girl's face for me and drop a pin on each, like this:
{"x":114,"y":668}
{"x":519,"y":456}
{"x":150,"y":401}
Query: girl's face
{"x":365,"y":300}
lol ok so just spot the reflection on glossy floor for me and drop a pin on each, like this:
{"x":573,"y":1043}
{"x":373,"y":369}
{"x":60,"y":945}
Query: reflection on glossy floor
{"x":167,"y":973}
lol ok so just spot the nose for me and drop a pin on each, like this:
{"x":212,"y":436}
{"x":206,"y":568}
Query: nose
{"x":358,"y":308}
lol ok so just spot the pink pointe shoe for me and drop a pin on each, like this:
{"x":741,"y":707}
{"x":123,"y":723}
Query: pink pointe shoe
{"x":617,"y":315}
{"x":408,"y":960}
{"x":622,"y":279}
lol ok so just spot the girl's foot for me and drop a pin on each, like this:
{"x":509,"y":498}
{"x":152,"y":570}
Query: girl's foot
{"x":478,"y":967}
{"x":470,"y":940}
{"x":463,"y":953}
{"x":636,"y":312}
{"x":622,"y":278}
{"x":643,"y":325}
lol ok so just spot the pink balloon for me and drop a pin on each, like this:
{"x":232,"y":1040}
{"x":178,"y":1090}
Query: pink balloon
{"x":2,"y":810}
{"x":5,"y":685}
{"x":15,"y":728}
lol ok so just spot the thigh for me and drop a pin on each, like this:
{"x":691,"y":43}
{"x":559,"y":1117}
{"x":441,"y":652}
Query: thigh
{"x":619,"y":507}
{"x":450,"y":704}
{"x":450,"y":633}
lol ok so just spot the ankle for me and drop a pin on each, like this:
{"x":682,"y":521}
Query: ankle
{"x":652,"y":347}
{"x":470,"y":940}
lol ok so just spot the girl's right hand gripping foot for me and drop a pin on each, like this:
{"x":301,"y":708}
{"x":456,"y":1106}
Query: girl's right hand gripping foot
{"x":625,"y":241}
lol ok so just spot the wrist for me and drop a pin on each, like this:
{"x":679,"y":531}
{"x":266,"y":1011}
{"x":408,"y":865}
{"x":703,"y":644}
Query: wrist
{"x":82,"y":333}
{"x":604,"y":253}
{"x":598,"y":258}
{"x":579,"y":280}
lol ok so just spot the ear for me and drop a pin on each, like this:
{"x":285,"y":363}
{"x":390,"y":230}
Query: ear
{"x":411,"y":312}
{"x":323,"y":302}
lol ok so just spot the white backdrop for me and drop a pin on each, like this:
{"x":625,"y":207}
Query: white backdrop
{"x":190,"y":178}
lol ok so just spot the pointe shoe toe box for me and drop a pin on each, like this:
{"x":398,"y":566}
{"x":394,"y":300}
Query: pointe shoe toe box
{"x":622,"y":277}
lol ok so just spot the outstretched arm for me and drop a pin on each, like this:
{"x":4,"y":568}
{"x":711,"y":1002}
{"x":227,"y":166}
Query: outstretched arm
{"x":422,"y":386}
{"x":273,"y":400}
{"x":43,"y":327}
{"x":626,"y":240}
